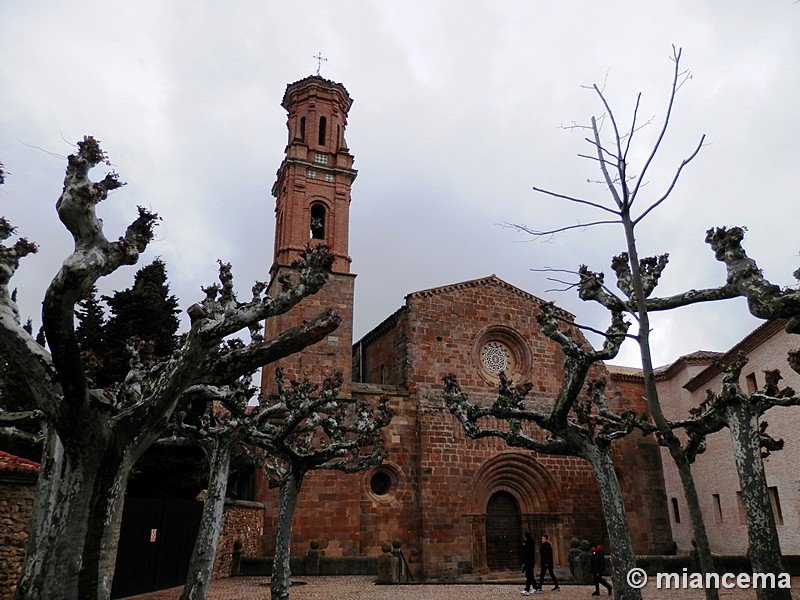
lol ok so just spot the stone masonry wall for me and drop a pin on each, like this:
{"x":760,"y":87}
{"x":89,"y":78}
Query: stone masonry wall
{"x":243,"y":521}
{"x":16,"y":505}
{"x":334,"y":353}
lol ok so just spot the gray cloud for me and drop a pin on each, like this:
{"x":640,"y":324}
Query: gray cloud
{"x":458,"y":112}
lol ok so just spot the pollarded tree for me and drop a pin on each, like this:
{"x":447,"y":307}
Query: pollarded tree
{"x":580,"y":425}
{"x":740,"y":412}
{"x":312,"y":428}
{"x":94,"y":436}
{"x":218,"y":431}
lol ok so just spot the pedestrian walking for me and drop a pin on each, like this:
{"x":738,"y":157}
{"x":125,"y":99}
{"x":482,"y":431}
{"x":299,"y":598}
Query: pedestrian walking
{"x":546,"y":558}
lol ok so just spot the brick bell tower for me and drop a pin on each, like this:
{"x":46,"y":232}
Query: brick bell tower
{"x":312,"y":192}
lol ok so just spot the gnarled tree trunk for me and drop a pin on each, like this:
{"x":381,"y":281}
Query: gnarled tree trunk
{"x":762,"y":535}
{"x":205,"y":547}
{"x":71,"y":544}
{"x":619,"y":532}
{"x":281,"y":567}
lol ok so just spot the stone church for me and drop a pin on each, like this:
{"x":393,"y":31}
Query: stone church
{"x":458,"y":506}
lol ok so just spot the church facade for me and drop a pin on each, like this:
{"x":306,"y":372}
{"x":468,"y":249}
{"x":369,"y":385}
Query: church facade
{"x":457,"y":505}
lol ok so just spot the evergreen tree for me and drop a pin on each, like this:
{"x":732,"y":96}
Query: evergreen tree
{"x":91,"y":336}
{"x":145,"y":313}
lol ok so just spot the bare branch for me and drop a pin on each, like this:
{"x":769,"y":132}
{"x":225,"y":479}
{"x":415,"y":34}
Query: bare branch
{"x":666,"y":194}
{"x":562,"y":229}
{"x":576,"y":200}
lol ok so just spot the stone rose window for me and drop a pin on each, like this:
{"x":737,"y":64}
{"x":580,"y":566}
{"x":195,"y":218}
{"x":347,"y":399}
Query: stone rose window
{"x":501,"y":349}
{"x":496,"y":357}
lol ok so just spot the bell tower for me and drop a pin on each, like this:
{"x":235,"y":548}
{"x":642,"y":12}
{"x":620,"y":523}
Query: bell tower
{"x":312,"y":205}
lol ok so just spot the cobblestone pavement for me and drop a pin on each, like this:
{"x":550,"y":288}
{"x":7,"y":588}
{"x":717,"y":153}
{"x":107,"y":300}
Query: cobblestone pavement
{"x":363,"y":588}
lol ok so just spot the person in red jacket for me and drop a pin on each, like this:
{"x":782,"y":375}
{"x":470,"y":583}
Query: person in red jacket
{"x":598,"y":568}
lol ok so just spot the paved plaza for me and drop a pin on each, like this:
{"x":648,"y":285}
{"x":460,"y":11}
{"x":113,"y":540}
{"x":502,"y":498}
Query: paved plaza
{"x":364,"y":588}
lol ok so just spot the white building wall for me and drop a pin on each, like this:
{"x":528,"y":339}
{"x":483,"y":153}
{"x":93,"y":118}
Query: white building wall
{"x":714,"y":471}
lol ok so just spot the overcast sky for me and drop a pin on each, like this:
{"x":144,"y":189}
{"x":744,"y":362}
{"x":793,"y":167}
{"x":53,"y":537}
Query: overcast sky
{"x":460,"y":107}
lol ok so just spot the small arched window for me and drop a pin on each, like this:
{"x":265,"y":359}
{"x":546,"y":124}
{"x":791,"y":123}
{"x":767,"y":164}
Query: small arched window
{"x":675,"y":512}
{"x":317,"y":222}
{"x":323,"y":124}
{"x":302,"y":129}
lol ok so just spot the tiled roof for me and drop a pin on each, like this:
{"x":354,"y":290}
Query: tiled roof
{"x":14,"y":464}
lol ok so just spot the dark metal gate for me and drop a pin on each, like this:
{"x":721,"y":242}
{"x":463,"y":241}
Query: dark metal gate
{"x":503,"y":538}
{"x":155,"y":544}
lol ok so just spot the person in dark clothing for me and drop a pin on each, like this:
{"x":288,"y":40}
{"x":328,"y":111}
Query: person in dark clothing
{"x":528,"y":562}
{"x":598,"y":568}
{"x":546,"y":556}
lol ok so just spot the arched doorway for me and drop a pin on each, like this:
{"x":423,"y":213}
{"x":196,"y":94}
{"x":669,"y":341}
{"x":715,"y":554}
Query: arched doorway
{"x":502,"y":532}
{"x":528,"y":491}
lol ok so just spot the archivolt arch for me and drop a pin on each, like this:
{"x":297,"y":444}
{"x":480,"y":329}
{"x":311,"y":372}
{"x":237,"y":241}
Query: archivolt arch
{"x":522,"y":476}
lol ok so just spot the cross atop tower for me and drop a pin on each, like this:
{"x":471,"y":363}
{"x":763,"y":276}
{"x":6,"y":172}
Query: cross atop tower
{"x":319,"y":59}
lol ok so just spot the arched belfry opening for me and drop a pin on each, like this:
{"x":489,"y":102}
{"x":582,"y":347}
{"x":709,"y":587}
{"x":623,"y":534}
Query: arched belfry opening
{"x":317,"y":225}
{"x":513,"y":493}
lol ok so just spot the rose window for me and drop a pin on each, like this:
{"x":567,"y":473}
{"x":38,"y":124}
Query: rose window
{"x":495,"y":357}
{"x":499,"y":349}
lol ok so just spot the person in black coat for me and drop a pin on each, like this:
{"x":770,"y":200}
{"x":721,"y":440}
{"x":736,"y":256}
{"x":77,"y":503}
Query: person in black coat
{"x":598,"y":568}
{"x":546,"y":556}
{"x":528,"y":562}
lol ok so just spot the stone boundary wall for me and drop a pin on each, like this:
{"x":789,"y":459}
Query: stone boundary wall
{"x":243,"y":521}
{"x":16,"y":506}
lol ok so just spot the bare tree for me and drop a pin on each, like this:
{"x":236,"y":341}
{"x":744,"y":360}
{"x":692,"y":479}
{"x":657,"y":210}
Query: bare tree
{"x":315,"y":430}
{"x":580,"y":425}
{"x":637,"y":278}
{"x":624,"y":188}
{"x":93,"y":436}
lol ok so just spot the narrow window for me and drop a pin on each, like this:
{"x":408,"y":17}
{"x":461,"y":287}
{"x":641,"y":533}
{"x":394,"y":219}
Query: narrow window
{"x":323,"y":123}
{"x":676,"y":513}
{"x":750,"y":383}
{"x":775,"y":501}
{"x":383,"y":373}
{"x":740,"y":504}
{"x":302,"y":129}
{"x":717,"y":508}
{"x":317,"y":222}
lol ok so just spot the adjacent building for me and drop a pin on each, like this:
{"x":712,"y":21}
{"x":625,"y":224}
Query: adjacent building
{"x":682,"y":385}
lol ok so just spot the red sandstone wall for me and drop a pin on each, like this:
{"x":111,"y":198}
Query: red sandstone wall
{"x":443,"y":481}
{"x":334,"y":353}
{"x":340,"y":510}
{"x":383,"y":359}
{"x":640,"y":473}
